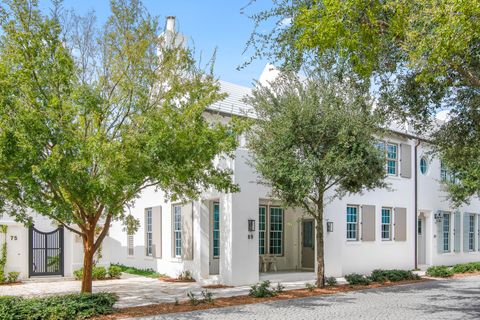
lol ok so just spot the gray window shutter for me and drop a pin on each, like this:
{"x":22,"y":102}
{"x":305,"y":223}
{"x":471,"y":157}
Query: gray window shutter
{"x":465,"y":231}
{"x":457,"y":232}
{"x":478,"y":233}
{"x":406,"y":160}
{"x":187,"y":231}
{"x":440,"y":234}
{"x":400,"y":224}
{"x":157,"y":231}
{"x":368,"y":223}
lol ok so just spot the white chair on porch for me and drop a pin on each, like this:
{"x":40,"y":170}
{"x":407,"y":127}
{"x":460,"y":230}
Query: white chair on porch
{"x":268,"y":262}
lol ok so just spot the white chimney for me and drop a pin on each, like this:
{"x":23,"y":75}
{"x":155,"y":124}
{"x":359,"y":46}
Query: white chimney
{"x":170,"y":24}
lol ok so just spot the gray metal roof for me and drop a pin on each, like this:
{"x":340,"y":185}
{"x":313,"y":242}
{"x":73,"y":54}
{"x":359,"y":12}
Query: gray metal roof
{"x":233,"y":104}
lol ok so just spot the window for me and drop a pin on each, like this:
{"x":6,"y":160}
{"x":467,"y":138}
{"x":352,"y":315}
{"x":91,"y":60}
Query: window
{"x":271,"y":226}
{"x":276,"y":231}
{"x":148,"y":230}
{"x":446,"y":175}
{"x":177,"y":231}
{"x":130,"y":247}
{"x":392,"y":158}
{"x":386,"y":224}
{"x":419,"y":227}
{"x":216,"y":230}
{"x":391,"y":154}
{"x":446,"y":232}
{"x":471,"y":232}
{"x":352,"y":223}
{"x":423,"y":165}
{"x":262,"y":225}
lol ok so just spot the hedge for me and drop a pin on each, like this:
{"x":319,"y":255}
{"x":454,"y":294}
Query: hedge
{"x":61,"y":307}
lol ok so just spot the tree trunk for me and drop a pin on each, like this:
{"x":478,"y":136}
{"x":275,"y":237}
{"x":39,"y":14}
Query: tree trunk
{"x":88,"y":252}
{"x":320,"y":246}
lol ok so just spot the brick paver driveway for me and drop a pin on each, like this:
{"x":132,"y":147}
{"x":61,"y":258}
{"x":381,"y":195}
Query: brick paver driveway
{"x":442,"y":299}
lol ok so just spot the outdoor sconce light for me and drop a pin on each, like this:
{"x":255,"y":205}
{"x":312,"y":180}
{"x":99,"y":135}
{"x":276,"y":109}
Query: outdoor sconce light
{"x":251,"y":225}
{"x":438,"y":216}
{"x":329,"y":226}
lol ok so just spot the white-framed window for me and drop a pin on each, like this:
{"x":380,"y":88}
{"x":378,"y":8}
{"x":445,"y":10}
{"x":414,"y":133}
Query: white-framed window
{"x":471,"y":232}
{"x":446,"y":175}
{"x":391,"y":156}
{"x":271,"y":230}
{"x":446,"y":232}
{"x":276,"y":231}
{"x":216,"y":230}
{"x":177,"y":231}
{"x":352,"y":223}
{"x":392,"y":159}
{"x":386,"y":224}
{"x":423,"y":165}
{"x":130,"y":245}
{"x":148,"y":232}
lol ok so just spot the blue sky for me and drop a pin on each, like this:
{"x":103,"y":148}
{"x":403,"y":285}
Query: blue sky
{"x":209,"y":24}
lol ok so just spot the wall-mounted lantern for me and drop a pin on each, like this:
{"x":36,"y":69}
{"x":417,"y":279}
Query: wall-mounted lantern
{"x":438,"y":216}
{"x":251,"y":225}
{"x":329,"y":226}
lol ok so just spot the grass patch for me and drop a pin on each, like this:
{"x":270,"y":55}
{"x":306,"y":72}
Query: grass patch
{"x":61,"y":307}
{"x":149,"y":273}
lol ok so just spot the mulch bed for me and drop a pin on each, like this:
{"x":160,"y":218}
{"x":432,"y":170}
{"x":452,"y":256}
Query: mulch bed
{"x":168,"y":279}
{"x":16,"y":283}
{"x":185,"y":306}
{"x":463,"y":275}
{"x":216,"y":286}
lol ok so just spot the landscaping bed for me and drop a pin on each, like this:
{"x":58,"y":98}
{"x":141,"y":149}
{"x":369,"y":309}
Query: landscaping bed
{"x":71,"y":307}
{"x":457,"y":271}
{"x":185,"y":306}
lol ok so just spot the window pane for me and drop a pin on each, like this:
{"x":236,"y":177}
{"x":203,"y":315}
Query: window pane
{"x":352,"y":218}
{"x":386,"y":223}
{"x":261,"y":229}
{"x":446,"y":232}
{"x":276,"y":231}
{"x":177,"y":230}
{"x":216,"y":229}
{"x":148,"y":228}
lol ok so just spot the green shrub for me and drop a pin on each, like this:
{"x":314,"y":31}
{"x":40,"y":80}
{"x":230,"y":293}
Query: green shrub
{"x":440,"y":271}
{"x":207,"y":296}
{"x":114,"y":272}
{"x":310,"y":287}
{"x":357,"y":279}
{"x":193,"y":299}
{"x":394,"y":275}
{"x":63,"y":307}
{"x":464,"y":268}
{"x":331,"y":281}
{"x":98,"y":273}
{"x":185,"y":276}
{"x":139,"y":272}
{"x":78,"y":274}
{"x":2,"y":277}
{"x":13,"y":276}
{"x":262,"y":290}
{"x":475,"y":265}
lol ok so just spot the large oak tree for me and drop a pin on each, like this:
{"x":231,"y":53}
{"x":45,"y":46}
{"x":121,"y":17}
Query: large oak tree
{"x":314,"y":141}
{"x":89,"y":117}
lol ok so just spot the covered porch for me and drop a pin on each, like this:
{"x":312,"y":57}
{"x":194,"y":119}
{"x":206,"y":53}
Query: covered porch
{"x":286,"y":243}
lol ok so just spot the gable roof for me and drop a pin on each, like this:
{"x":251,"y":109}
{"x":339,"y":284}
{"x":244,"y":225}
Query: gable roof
{"x":233,"y":104}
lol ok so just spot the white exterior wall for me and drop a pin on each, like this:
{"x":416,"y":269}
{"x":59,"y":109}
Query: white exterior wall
{"x":18,"y":250}
{"x":431,"y":198}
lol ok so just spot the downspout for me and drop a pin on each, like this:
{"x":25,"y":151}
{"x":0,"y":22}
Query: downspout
{"x":416,"y":201}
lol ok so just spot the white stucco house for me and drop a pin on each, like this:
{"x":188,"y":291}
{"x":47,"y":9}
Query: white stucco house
{"x":228,"y":238}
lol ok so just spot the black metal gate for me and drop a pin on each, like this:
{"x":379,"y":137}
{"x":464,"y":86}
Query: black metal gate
{"x":45,"y":252}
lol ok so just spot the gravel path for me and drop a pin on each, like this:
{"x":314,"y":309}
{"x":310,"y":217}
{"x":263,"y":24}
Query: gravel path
{"x":440,"y":299}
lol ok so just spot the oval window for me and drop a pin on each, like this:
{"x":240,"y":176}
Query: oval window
{"x":423,"y":165}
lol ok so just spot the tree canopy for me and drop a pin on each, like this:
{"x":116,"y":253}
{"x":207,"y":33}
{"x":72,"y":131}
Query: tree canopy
{"x":313,"y":141}
{"x":91,"y":116}
{"x":418,"y":56}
